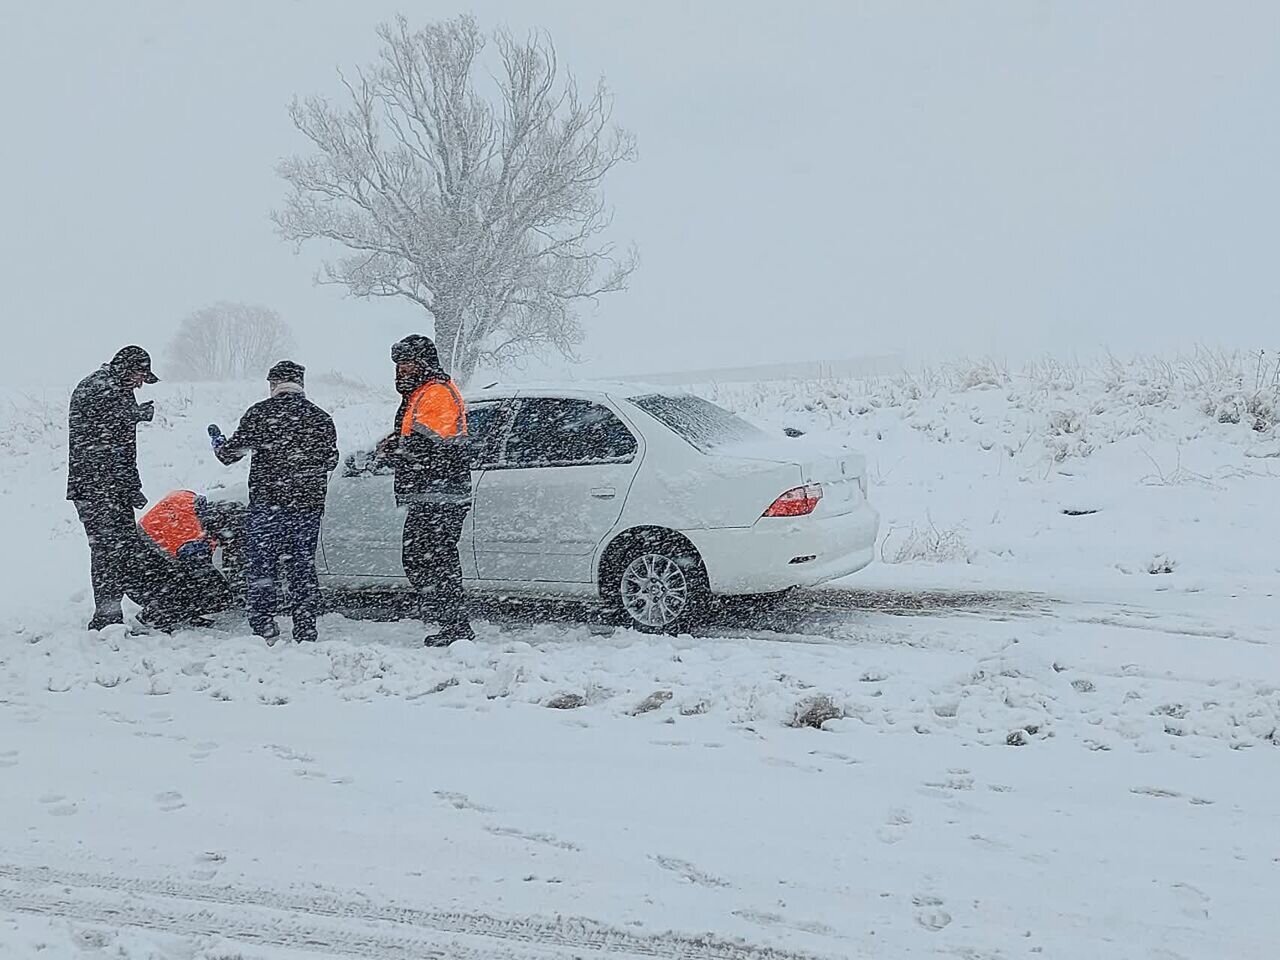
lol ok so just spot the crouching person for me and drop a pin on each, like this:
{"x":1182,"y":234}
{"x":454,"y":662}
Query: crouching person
{"x":294,"y":448}
{"x":189,"y":529}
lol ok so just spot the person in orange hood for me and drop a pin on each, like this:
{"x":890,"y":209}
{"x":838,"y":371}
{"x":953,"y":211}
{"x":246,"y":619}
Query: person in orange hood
{"x":189,"y":528}
{"x":174,"y":524}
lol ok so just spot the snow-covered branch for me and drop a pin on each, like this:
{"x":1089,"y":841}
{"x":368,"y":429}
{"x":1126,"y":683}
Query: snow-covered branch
{"x":472,"y":193}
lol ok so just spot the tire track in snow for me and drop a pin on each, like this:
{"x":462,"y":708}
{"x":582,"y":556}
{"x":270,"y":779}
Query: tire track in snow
{"x":328,"y":923}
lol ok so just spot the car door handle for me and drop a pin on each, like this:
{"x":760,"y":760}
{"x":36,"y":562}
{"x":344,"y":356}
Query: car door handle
{"x":604,"y":493}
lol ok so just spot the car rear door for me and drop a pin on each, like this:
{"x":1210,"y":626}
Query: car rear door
{"x":557,"y":490}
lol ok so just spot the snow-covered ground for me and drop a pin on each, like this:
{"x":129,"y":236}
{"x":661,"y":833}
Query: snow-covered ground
{"x":1056,"y":708}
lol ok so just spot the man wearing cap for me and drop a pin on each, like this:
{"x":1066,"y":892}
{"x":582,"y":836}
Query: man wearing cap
{"x":294,"y":447}
{"x":103,"y":480}
{"x":433,"y":477}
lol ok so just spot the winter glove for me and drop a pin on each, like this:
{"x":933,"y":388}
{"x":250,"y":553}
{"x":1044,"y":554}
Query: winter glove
{"x":146,"y":411}
{"x":139,"y":500}
{"x":195,"y":551}
{"x":217,"y":439}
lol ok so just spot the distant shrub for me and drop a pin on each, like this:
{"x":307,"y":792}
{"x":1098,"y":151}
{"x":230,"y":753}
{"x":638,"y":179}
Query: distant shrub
{"x":228,"y":341}
{"x":928,"y":544}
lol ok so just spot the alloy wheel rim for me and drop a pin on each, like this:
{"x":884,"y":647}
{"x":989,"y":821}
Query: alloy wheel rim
{"x":655,"y":590}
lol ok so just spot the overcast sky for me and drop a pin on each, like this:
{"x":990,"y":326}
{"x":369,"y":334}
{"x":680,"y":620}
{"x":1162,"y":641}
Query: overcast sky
{"x":815,"y":180}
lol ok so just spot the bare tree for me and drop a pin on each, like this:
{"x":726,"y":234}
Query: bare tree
{"x":228,"y":341}
{"x":483,"y":210}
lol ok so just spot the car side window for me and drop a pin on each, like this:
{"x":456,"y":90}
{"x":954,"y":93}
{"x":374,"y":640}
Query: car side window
{"x":550,"y":432}
{"x":485,"y":421}
{"x":484,"y":435}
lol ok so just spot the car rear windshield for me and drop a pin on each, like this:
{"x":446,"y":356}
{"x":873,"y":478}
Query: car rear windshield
{"x":699,"y":421}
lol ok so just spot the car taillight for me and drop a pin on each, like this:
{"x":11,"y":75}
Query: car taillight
{"x":796,"y":502}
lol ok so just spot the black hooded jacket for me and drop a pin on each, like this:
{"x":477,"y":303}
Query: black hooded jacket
{"x":431,"y":469}
{"x":294,"y":446}
{"x":102,"y":439}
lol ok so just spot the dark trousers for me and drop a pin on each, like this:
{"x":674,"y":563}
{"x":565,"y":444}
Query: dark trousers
{"x":430,"y":556}
{"x":119,"y":557}
{"x":197,"y":587}
{"x":280,"y":540}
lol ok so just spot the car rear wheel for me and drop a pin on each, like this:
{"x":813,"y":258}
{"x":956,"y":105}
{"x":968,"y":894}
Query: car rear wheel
{"x":657,"y":587}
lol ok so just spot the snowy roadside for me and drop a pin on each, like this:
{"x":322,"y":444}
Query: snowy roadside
{"x":1074,"y":787}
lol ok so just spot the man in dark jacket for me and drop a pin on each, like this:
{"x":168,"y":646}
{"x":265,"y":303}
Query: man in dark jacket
{"x":295,"y":448}
{"x":103,"y":481}
{"x":433,"y":478}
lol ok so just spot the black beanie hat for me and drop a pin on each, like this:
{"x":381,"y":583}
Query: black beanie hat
{"x":416,"y":348}
{"x":286,"y":371}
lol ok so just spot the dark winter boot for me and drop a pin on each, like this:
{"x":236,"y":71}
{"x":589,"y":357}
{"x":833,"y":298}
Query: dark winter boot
{"x":106,"y":618}
{"x":155,"y":617}
{"x":268,"y":630}
{"x":459,"y":630}
{"x":304,"y":630}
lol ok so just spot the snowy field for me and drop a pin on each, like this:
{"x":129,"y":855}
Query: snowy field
{"x":1054,"y":702}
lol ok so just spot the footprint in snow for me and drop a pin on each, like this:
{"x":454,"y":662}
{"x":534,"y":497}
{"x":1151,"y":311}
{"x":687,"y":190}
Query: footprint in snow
{"x":929,"y":913}
{"x":170,"y":801}
{"x":8,"y":758}
{"x":288,"y":753}
{"x":545,"y":839}
{"x":1160,"y":792}
{"x":951,"y":783}
{"x":689,"y":872}
{"x":768,"y":919}
{"x":1192,"y":901}
{"x":58,"y":805}
{"x":895,"y":826}
{"x":460,"y":801}
{"x":989,"y":842}
{"x":833,"y":755}
{"x":203,"y":750}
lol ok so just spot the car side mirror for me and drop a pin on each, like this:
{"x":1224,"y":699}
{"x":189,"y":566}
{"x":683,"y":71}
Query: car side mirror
{"x":359,"y":464}
{"x":477,"y":452}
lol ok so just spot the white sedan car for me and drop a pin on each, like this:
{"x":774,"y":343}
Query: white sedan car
{"x":650,"y":500}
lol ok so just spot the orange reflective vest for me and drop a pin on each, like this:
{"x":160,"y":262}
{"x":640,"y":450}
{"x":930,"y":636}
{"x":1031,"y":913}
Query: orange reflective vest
{"x":173,"y":522}
{"x":438,"y":407}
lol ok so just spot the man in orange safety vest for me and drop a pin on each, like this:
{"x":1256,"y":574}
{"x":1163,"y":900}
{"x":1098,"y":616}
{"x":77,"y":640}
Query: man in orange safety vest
{"x":433,"y":479}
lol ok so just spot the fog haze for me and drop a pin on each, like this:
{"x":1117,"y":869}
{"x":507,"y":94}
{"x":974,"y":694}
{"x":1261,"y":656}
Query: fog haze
{"x":824,"y":180}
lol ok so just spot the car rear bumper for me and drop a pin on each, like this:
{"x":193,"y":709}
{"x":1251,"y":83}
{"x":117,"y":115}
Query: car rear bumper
{"x":771,"y":555}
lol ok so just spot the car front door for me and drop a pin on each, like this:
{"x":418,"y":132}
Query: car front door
{"x":361,"y":531}
{"x":557,"y":489}
{"x":363,"y":527}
